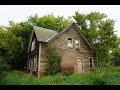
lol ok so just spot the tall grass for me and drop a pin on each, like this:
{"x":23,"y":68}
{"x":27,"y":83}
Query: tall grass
{"x":104,"y":76}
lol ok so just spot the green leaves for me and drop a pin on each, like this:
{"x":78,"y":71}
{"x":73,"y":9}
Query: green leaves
{"x":96,"y":26}
{"x":15,"y":37}
{"x":100,"y":31}
{"x":49,"y":21}
{"x":53,"y":61}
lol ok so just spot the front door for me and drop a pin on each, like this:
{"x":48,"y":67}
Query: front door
{"x":80,"y":64}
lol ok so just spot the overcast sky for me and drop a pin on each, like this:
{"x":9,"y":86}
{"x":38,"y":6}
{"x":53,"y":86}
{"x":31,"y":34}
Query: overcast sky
{"x":18,"y":13}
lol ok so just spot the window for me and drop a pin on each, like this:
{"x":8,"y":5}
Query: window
{"x":80,"y":64}
{"x":29,"y":64}
{"x":33,"y":45}
{"x":91,"y":63}
{"x":35,"y":63}
{"x":77,"y":45}
{"x":70,"y":43}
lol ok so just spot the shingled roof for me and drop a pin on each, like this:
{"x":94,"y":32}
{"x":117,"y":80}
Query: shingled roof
{"x":43,"y":34}
{"x":48,"y":35}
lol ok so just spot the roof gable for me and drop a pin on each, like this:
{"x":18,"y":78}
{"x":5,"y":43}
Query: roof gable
{"x":43,"y":34}
{"x":77,"y":29}
{"x":47,"y":35}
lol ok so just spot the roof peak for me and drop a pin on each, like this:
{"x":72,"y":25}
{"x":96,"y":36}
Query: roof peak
{"x":44,"y":34}
{"x":42,"y":28}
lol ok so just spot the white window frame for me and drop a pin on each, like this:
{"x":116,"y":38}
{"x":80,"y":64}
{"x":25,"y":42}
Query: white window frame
{"x":78,"y":44}
{"x":33,"y":45}
{"x":71,"y":43}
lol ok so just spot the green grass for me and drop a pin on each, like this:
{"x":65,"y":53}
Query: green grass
{"x":104,"y":76}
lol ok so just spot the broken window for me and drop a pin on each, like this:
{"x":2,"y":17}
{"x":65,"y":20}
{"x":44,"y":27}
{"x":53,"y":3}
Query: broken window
{"x":77,"y":44}
{"x":91,"y":63}
{"x":70,"y":43}
{"x":33,"y":45}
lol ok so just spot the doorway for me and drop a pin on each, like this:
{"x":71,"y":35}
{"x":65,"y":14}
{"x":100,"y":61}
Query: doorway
{"x":80,"y":64}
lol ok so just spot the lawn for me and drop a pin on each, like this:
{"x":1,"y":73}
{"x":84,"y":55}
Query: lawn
{"x":104,"y":76}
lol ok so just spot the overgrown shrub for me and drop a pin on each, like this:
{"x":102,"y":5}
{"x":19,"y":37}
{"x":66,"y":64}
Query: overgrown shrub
{"x":3,"y":66}
{"x":67,"y":73}
{"x":99,"y":81}
{"x":53,"y":61}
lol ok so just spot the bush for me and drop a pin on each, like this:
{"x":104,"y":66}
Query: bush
{"x":67,"y":73}
{"x":53,"y":61}
{"x":99,"y":81}
{"x":3,"y":66}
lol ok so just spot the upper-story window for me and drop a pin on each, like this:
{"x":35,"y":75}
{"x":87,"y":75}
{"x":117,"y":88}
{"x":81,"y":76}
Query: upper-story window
{"x":77,"y":44}
{"x":70,"y":42}
{"x":33,"y":45}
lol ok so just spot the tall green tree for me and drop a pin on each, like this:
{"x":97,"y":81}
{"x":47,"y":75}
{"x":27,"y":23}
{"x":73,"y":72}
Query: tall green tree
{"x":15,"y":41}
{"x":14,"y":38}
{"x":49,"y":21}
{"x":115,"y":54}
{"x":100,"y":32}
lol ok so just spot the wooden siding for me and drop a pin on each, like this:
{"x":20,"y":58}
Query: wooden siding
{"x":43,"y":59}
{"x":69,"y":56}
{"x":36,"y":50}
{"x":31,"y":54}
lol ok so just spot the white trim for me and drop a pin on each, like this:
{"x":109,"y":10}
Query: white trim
{"x":39,"y":59}
{"x":78,"y":43}
{"x":71,"y":43}
{"x":33,"y":45}
{"x":50,"y":38}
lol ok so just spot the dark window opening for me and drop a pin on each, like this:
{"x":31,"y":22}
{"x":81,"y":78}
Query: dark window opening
{"x":70,"y":44}
{"x":91,"y":62}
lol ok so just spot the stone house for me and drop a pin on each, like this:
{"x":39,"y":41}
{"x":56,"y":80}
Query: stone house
{"x":78,"y":55}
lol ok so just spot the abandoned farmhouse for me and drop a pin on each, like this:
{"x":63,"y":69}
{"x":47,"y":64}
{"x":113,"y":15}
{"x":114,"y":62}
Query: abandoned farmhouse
{"x":77,"y":53}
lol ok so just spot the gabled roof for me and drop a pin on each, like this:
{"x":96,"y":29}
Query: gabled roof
{"x":77,"y":29}
{"x":47,"y":35}
{"x":42,"y":34}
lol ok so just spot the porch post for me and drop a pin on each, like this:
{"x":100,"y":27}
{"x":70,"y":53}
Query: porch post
{"x":39,"y":59}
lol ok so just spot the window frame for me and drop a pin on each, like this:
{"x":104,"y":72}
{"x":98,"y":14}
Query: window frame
{"x":77,"y":44}
{"x":81,"y":62}
{"x":92,"y":62}
{"x":71,"y":41}
{"x":33,"y":44}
